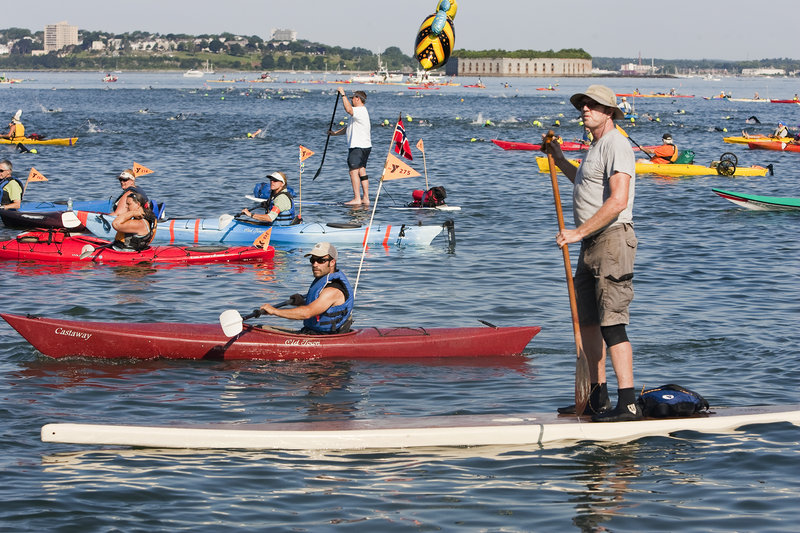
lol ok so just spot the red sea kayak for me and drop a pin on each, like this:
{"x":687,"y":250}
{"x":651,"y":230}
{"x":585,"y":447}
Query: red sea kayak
{"x":57,"y":246}
{"x":774,"y":145}
{"x":124,"y":340}
{"x":567,"y":146}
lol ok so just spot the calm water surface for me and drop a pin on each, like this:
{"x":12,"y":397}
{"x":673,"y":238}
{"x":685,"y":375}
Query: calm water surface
{"x":716,"y":310}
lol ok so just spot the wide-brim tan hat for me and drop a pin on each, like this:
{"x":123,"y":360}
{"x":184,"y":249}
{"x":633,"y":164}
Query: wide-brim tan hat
{"x":602,"y":95}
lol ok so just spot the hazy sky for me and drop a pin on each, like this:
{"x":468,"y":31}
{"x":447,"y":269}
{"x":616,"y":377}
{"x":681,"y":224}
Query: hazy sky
{"x":733,"y":29}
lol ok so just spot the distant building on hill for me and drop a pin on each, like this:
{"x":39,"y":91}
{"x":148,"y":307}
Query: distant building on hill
{"x":763,"y":72}
{"x":57,"y":36}
{"x":518,"y":67}
{"x":284,"y":35}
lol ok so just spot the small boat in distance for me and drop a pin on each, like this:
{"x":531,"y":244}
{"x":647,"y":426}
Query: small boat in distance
{"x":194,"y":73}
{"x":108,"y":78}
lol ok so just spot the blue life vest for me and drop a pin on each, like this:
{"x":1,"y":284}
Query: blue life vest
{"x":284,"y":218}
{"x":332,"y":320}
{"x":6,"y":199}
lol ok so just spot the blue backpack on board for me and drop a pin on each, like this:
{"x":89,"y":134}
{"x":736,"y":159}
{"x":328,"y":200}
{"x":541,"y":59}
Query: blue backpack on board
{"x":671,"y":400}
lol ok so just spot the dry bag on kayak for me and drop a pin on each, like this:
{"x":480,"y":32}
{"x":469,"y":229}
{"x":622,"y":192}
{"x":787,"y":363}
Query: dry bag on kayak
{"x":685,"y":157}
{"x":430,"y":198}
{"x":671,"y":400}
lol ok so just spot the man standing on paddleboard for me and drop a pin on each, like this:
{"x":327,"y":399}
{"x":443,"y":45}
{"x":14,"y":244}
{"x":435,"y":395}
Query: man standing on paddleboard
{"x":602,"y":203}
{"x":359,"y":142}
{"x":328,"y":305}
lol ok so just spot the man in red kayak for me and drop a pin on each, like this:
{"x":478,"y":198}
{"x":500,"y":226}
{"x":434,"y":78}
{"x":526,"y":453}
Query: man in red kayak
{"x":328,"y":305}
{"x":602,"y":202}
{"x":127,"y":180}
{"x":665,"y":154}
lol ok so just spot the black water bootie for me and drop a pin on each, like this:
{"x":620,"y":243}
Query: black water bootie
{"x":598,"y":402}
{"x":620,"y":413}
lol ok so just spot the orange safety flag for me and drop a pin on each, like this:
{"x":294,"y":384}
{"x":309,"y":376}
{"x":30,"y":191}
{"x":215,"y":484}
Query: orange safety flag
{"x":305,"y":153}
{"x":395,"y":169}
{"x":140,"y":170}
{"x":262,"y":241}
{"x":35,"y":175}
{"x":421,"y":146}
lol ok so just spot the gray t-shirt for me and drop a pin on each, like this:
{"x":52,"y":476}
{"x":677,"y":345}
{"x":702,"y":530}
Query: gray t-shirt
{"x":610,"y":154}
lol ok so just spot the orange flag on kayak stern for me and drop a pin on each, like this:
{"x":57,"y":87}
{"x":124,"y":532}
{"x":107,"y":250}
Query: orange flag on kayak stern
{"x":395,"y":169}
{"x":35,"y":175}
{"x":140,"y":170}
{"x":262,"y":241}
{"x":421,"y":146}
{"x":305,"y":153}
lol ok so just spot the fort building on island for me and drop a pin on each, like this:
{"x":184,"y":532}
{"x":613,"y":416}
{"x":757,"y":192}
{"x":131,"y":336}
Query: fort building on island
{"x":518,"y":67}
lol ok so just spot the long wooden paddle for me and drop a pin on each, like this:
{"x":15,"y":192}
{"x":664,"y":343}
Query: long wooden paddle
{"x":582,"y":381}
{"x":232,"y":322}
{"x":330,"y":127}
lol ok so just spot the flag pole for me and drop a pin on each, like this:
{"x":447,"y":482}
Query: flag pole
{"x":374,"y":207}
{"x":300,"y":188}
{"x":425,"y":166}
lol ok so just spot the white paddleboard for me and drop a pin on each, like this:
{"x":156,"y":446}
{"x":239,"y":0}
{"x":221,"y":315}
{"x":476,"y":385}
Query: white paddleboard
{"x":394,"y":433}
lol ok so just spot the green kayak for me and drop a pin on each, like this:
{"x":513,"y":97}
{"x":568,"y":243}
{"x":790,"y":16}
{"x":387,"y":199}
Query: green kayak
{"x":760,"y":203}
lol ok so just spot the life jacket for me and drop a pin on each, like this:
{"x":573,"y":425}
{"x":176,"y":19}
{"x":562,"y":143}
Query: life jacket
{"x":147,"y":203}
{"x":284,"y":218}
{"x":337,"y":318}
{"x":6,"y":199}
{"x":19,"y":132}
{"x":665,"y":160}
{"x":138,"y":243}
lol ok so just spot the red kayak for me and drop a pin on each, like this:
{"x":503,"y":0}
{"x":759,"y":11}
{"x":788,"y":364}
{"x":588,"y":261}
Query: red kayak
{"x":125,"y":340}
{"x":566,"y":146}
{"x":774,"y":145}
{"x":785,"y":101}
{"x":58,"y":246}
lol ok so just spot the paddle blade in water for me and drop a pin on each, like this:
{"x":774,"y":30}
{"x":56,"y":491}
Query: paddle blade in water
{"x":231,"y":322}
{"x":582,"y":383}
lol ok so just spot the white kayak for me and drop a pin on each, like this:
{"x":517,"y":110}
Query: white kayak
{"x":394,"y":433}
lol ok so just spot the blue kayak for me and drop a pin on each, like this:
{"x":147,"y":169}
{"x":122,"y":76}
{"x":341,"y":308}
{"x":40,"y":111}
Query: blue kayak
{"x":100,"y":206}
{"x":230,"y":230}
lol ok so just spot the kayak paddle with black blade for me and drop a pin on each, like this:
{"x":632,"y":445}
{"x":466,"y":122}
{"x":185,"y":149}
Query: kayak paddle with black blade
{"x":330,"y":127}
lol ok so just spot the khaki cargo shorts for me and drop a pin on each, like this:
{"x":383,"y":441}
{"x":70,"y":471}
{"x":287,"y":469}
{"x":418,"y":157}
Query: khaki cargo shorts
{"x":604,"y":276}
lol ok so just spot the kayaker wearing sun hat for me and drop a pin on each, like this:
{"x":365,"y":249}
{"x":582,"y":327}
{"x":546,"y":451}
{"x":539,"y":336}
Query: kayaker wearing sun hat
{"x":279,"y":207}
{"x":781,"y":131}
{"x":666,"y":153}
{"x":602,"y":202}
{"x":16,"y":131}
{"x":328,"y":305}
{"x":127,"y":180}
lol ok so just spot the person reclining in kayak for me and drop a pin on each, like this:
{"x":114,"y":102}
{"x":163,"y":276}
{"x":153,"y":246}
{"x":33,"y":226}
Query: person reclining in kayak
{"x":136,"y":227}
{"x":10,"y":187}
{"x":16,"y":131}
{"x":328,"y":305}
{"x":127,"y":180}
{"x":666,"y":153}
{"x":279,"y":207}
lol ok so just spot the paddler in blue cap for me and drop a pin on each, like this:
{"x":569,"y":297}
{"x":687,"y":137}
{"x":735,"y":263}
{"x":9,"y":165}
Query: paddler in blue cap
{"x":328,"y":305}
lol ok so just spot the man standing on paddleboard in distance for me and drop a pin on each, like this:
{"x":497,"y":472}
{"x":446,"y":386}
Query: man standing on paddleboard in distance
{"x":328,"y":305}
{"x":602,"y":203}
{"x":359,"y":142}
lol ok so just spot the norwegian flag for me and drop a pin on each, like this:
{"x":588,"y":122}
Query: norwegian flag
{"x":400,"y":141}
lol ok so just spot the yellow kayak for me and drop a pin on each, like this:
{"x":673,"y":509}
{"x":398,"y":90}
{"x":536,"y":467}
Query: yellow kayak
{"x":672,"y":169}
{"x":69,"y":141}
{"x":754,"y":138}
